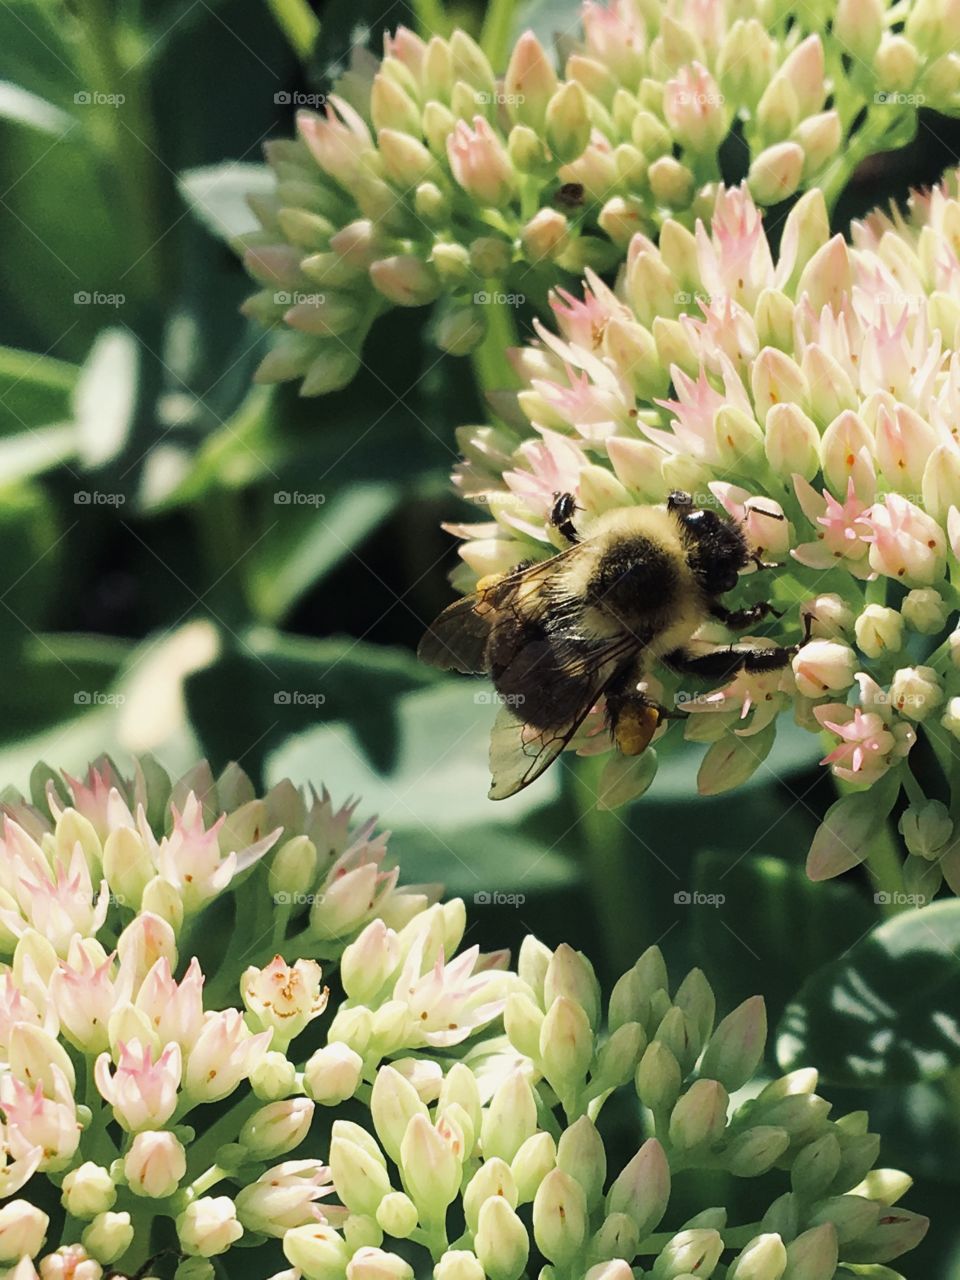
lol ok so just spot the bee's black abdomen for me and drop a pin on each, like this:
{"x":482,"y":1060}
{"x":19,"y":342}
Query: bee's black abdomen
{"x":528,"y":672}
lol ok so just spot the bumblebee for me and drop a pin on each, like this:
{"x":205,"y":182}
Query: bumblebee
{"x":557,"y":635}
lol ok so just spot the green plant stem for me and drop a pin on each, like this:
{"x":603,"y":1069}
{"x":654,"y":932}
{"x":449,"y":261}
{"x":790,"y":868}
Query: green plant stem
{"x":491,"y":367}
{"x":432,"y":18}
{"x":885,"y":869}
{"x":113,"y":68}
{"x":496,"y":31}
{"x":610,"y":865}
{"x":299,"y":24}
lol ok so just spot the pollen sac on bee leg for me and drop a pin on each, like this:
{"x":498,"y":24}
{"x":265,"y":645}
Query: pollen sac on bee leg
{"x":635,"y":725}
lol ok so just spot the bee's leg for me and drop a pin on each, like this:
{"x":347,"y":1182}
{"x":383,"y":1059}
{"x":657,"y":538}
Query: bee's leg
{"x":740,"y":619}
{"x":722,"y":664}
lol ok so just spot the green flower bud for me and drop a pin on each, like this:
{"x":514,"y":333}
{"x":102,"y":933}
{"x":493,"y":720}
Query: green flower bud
{"x":581,"y":1153}
{"x":695,"y":997}
{"x":397,"y":1215}
{"x":490,"y":256}
{"x":534,"y":1160}
{"x":526,"y":152}
{"x":642,"y":1189}
{"x":277,"y":1128}
{"x":617,"y":1238}
{"x":756,"y":1151}
{"x":694,"y":1251}
{"x":764,"y":1258}
{"x":813,"y":1255}
{"x":458,"y":330}
{"x":405,"y":280}
{"x":570,"y":974}
{"x":533,"y":960}
{"x":275,"y":1076}
{"x":679,"y":1034}
{"x":568,"y":122}
{"x":501,"y":1242}
{"x":430,"y":1168}
{"x":523,"y":1021}
{"x":360,"y":1179}
{"x":896,"y":64}
{"x":782,"y":1216}
{"x":815,"y":1167}
{"x":851,"y":1215}
{"x":618,"y":1058}
{"x":927,"y":829}
{"x":671,"y":182}
{"x":108,"y":1236}
{"x":735,"y":1049}
{"x":560,"y":1218}
{"x":431,"y":204}
{"x":88,"y":1190}
{"x":317,"y":1250}
{"x":458,"y":1264}
{"x":804,"y":1116}
{"x":530,"y":80}
{"x":393,"y":1104}
{"x":886,"y":1186}
{"x":566,"y":1045}
{"x":493,"y":1178}
{"x":438,"y":124}
{"x":700,"y":1115}
{"x":658,"y":1077}
{"x":775,"y":173}
{"x":897,"y":1231}
{"x":510,"y":1118}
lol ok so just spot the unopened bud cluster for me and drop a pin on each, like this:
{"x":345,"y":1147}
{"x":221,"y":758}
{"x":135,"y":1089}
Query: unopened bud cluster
{"x":434,"y":176}
{"x":474,"y":1089}
{"x":812,"y":398}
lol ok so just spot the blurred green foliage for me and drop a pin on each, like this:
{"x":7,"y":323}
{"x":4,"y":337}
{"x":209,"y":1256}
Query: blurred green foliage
{"x":194,"y":566}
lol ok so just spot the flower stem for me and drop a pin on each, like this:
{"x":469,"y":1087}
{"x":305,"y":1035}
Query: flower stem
{"x":496,"y":31}
{"x":886,"y":871}
{"x":432,"y":18}
{"x":490,"y":364}
{"x":610,"y":866}
{"x":298,"y":23}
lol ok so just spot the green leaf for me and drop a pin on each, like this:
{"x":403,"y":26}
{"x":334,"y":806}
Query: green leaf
{"x":269,"y":687}
{"x":433,"y":793}
{"x":307,"y":541}
{"x":34,"y":390}
{"x":762,"y":915}
{"x":889,"y":1009}
{"x":217,"y":195}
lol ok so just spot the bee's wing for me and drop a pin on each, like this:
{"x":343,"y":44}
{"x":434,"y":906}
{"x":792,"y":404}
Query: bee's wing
{"x":457,"y":640}
{"x":519,"y":752}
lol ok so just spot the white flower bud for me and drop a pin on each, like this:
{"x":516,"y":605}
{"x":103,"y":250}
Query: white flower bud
{"x":501,"y":1241}
{"x":829,"y":615}
{"x":319,"y":1252}
{"x":274,"y":1078}
{"x":376,"y":1264}
{"x":824,"y":666}
{"x":764,"y":1258}
{"x":879,"y":630}
{"x":22,"y":1230}
{"x":88,"y":1190}
{"x":560,"y":1218}
{"x":155,"y":1164}
{"x":209,"y":1226}
{"x":332,"y":1074}
{"x":108,"y":1236}
{"x":397,"y":1215}
{"x":534,"y":1160}
{"x":915,"y":691}
{"x":925,"y":610}
{"x":458,"y":1264}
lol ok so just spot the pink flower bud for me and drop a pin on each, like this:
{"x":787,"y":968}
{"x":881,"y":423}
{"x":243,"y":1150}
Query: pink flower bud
{"x":824,"y":666}
{"x":479,"y":162}
{"x":22,"y":1230}
{"x":530,"y":81}
{"x":775,"y":173}
{"x":208,"y":1226}
{"x":142,"y":1092}
{"x":905,"y":542}
{"x":155,"y":1164}
{"x":694,"y":108}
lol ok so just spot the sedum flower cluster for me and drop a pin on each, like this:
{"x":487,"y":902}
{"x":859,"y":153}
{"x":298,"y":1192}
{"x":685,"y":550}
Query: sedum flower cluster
{"x":168,"y":1096}
{"x":431,"y":177}
{"x":814,"y":395}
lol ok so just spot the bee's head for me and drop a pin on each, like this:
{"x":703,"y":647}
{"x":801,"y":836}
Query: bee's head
{"x":716,"y":549}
